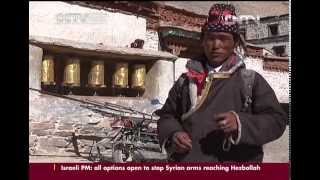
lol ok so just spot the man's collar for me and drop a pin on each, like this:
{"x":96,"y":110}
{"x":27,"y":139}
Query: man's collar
{"x":200,"y":65}
{"x":210,"y":68}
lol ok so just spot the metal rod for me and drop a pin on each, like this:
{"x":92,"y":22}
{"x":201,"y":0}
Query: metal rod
{"x":110,"y":106}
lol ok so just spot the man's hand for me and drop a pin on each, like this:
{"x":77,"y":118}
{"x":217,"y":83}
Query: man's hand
{"x":181,"y":142}
{"x":227,"y":122}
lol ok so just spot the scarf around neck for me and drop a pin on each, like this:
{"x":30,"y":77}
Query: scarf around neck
{"x":197,"y":70}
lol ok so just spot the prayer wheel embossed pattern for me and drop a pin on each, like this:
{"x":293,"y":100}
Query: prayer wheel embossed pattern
{"x":138,"y":76}
{"x":47,"y":70}
{"x":120,"y":76}
{"x":72,"y":72}
{"x":96,"y":74}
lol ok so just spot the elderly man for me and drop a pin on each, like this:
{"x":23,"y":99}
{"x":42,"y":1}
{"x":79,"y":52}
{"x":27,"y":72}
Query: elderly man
{"x":214,"y":112}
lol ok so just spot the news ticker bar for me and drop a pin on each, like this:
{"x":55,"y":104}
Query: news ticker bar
{"x":79,"y":171}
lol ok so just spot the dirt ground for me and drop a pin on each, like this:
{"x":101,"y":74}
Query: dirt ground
{"x":276,"y":151}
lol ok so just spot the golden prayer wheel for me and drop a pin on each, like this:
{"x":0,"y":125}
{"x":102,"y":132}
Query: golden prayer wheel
{"x":96,"y":74}
{"x":138,"y":76}
{"x":120,"y":76}
{"x":71,"y":75}
{"x":47,"y":70}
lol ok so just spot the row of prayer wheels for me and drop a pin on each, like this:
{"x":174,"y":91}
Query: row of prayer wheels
{"x":71,"y":74}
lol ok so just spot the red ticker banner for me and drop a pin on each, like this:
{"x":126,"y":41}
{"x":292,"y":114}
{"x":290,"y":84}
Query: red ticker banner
{"x":93,"y":171}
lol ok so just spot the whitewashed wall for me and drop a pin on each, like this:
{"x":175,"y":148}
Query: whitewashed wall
{"x":159,"y":80}
{"x":279,"y":81}
{"x":73,"y":22}
{"x":180,"y":67}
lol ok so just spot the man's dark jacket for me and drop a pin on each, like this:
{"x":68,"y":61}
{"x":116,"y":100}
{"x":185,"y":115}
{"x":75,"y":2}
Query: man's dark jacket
{"x":264,"y":121}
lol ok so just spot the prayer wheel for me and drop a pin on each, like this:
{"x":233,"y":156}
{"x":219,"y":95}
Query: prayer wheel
{"x":47,"y":70}
{"x":72,"y":72}
{"x":138,"y":76}
{"x":96,"y":74}
{"x":120,"y":76}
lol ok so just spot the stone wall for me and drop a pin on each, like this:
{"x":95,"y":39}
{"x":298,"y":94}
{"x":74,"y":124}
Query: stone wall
{"x":52,"y":120}
{"x":261,"y":30}
{"x":73,"y":22}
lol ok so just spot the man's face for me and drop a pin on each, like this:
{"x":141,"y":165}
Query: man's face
{"x":218,"y":46}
